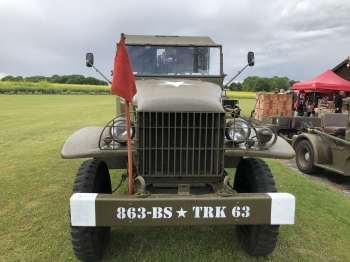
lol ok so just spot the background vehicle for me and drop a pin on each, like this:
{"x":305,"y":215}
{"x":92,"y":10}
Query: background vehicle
{"x":182,"y":145}
{"x":314,"y":97}
{"x":325,"y":148}
{"x":230,"y":105}
{"x":288,"y":126}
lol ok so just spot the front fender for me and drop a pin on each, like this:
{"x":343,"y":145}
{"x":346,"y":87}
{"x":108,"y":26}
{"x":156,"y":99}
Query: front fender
{"x":84,"y":143}
{"x":280,"y":150}
{"x":320,"y":145}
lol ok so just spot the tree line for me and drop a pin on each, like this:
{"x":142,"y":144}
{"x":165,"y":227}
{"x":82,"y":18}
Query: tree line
{"x":260,"y":84}
{"x":64,"y":79}
{"x":250,"y":84}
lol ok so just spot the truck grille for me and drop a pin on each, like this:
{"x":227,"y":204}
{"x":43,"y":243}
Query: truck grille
{"x":180,"y":143}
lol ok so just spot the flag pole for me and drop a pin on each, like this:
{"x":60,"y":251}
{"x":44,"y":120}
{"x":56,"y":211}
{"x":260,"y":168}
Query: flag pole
{"x":131,"y":181}
{"x":128,"y":136}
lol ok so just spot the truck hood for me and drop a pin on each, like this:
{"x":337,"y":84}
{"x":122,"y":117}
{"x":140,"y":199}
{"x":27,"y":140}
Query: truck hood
{"x":177,"y":95}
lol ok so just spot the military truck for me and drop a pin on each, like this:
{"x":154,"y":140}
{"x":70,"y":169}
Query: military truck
{"x":288,"y":126}
{"x":184,"y":144}
{"x":326,"y":147}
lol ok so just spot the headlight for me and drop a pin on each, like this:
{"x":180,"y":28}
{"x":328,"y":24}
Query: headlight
{"x":237,"y":130}
{"x":118,"y":130}
{"x":265,"y":135}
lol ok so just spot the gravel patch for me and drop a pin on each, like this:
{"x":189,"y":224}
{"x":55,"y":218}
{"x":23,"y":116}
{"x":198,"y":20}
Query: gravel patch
{"x":337,"y":181}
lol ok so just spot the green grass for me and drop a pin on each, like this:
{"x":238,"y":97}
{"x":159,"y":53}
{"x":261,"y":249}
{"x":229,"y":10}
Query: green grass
{"x":246,"y":106}
{"x":36,"y":186}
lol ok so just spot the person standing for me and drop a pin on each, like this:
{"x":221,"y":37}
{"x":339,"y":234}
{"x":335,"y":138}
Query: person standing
{"x":338,"y":102}
{"x":294,"y":97}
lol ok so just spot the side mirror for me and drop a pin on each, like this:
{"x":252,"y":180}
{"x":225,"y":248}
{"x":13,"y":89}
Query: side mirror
{"x":251,"y":60}
{"x":89,"y":59}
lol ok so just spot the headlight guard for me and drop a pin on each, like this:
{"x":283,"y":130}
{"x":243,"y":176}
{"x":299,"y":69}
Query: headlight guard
{"x":118,"y":132}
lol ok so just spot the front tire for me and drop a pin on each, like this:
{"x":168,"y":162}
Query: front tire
{"x":254,"y":176}
{"x":305,"y":156}
{"x":89,"y":242}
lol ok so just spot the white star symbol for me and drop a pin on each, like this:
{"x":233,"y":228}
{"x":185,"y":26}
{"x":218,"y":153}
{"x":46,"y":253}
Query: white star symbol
{"x":181,"y":212}
{"x":177,"y":84}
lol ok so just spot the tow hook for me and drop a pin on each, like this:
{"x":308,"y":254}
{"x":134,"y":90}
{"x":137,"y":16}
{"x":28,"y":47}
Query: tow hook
{"x":225,"y":191}
{"x":141,"y":191}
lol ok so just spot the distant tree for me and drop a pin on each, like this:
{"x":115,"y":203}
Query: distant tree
{"x":235,"y":86}
{"x":93,"y":81}
{"x":76,"y":79}
{"x":291,"y":82}
{"x":18,"y":79}
{"x":54,"y":79}
{"x":36,"y":79}
{"x":279,"y":82}
{"x":62,"y":79}
{"x":8,"y":78}
{"x":262,"y":85}
{"x":103,"y":83}
{"x":249,"y":83}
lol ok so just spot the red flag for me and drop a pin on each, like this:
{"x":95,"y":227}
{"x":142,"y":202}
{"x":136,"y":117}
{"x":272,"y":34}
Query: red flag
{"x":123,"y":83}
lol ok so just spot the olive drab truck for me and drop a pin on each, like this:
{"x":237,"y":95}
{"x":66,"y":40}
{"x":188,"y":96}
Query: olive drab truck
{"x":184,"y":144}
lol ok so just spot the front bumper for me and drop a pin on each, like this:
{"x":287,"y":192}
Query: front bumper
{"x":92,"y":209}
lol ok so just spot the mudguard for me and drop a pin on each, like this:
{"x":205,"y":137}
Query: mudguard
{"x":320,"y":145}
{"x":84,"y":143}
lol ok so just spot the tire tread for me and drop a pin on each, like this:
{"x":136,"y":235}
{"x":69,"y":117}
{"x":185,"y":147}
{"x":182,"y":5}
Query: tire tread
{"x":263,"y":238}
{"x":92,"y":177}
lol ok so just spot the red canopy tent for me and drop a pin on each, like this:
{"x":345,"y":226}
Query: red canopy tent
{"x":328,"y":81}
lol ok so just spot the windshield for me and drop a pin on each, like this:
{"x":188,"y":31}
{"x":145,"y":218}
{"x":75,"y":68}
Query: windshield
{"x":174,"y":60}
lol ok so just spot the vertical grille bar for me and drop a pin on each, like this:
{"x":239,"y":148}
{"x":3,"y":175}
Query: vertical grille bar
{"x":175,"y":142}
{"x":181,"y":137}
{"x":211,"y":148}
{"x":143,"y":148}
{"x":187,"y":143}
{"x":156,"y":142}
{"x":199,"y":142}
{"x":162,"y":146}
{"x":193,"y":143}
{"x":206,"y":140}
{"x":169,"y":148}
{"x":149,"y":141}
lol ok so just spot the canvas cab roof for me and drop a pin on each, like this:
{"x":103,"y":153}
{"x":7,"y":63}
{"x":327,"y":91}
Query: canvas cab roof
{"x":170,"y":40}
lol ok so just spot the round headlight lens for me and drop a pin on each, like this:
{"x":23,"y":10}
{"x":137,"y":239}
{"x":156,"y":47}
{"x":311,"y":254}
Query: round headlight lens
{"x":237,"y":130}
{"x":118,"y":130}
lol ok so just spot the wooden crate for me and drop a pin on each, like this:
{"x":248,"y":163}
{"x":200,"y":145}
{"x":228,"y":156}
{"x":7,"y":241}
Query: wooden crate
{"x":272,"y":105}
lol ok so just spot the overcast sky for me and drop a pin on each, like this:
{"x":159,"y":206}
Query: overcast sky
{"x":296,"y":39}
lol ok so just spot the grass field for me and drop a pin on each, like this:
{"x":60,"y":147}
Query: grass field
{"x":36,"y":186}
